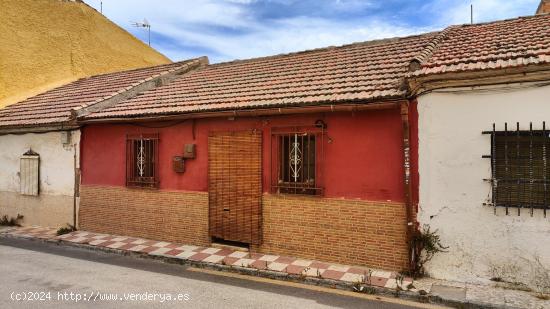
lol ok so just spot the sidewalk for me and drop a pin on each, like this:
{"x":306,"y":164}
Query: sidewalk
{"x":289,"y":268}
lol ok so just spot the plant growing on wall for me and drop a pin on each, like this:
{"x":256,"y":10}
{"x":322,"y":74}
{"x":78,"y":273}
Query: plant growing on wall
{"x":66,"y":229}
{"x":5,"y":221}
{"x":425,"y":244}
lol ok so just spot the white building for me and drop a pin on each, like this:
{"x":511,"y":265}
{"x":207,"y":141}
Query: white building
{"x":487,"y":203}
{"x":40,"y":187}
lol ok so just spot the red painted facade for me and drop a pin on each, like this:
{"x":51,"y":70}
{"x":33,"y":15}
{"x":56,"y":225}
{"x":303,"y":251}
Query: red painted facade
{"x":363,"y":152}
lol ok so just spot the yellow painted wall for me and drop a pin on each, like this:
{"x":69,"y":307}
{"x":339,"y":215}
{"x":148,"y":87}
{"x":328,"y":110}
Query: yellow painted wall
{"x":47,"y":43}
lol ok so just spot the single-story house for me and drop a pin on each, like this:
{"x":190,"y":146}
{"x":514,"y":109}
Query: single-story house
{"x":40,"y":142}
{"x":304,"y":154}
{"x":483,"y":95}
{"x":314,"y":154}
{"x":338,"y":154}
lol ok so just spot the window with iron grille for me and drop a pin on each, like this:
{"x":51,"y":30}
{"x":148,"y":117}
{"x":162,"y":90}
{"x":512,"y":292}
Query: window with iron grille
{"x":142,"y":160}
{"x":297,"y":154}
{"x":520,"y":171}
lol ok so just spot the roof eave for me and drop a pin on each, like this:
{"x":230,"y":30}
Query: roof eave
{"x":424,"y":83}
{"x":39,"y":128}
{"x":255,"y":112}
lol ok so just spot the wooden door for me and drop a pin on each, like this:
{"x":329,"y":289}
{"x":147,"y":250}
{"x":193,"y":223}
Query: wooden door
{"x":235,"y":185}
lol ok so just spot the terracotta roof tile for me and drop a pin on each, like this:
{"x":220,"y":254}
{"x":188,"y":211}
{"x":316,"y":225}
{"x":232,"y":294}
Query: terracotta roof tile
{"x":54,"y":106}
{"x":359,"y":72}
{"x":496,"y":45}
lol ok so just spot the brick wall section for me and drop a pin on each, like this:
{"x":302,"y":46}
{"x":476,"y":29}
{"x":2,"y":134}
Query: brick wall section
{"x":160,"y":215}
{"x":352,"y":232}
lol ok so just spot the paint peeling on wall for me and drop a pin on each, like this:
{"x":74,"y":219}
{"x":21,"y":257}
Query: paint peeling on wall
{"x":53,"y":205}
{"x":453,"y":190}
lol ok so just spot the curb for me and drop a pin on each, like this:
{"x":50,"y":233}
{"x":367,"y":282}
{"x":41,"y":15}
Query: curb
{"x":269,"y":274}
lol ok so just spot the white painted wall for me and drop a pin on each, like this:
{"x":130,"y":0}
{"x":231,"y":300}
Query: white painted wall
{"x":452,"y":190}
{"x":54,"y":204}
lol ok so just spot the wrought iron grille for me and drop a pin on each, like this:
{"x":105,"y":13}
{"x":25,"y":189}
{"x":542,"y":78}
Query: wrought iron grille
{"x":142,"y":160}
{"x":519,"y":165}
{"x":297,"y":154}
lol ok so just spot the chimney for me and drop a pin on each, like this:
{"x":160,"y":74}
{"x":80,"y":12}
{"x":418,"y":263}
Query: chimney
{"x":544,"y":7}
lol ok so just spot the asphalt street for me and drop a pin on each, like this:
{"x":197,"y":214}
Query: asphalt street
{"x":41,"y":275}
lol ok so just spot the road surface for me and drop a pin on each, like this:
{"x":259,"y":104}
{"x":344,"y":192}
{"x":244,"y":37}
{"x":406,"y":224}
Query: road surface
{"x":41,"y":275}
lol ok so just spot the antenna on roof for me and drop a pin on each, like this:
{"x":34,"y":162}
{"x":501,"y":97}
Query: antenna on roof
{"x":144,"y":24}
{"x":471,"y":14}
{"x":101,"y":7}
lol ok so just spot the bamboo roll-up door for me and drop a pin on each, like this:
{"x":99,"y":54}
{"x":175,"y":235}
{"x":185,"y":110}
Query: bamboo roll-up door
{"x":235,"y":186}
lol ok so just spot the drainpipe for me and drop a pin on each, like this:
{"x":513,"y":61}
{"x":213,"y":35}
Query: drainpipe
{"x":76,"y":167}
{"x":75,"y":186}
{"x":411,"y":220}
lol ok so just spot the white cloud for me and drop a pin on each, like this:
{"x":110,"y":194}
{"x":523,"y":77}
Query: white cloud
{"x":171,"y":11}
{"x":197,"y":24}
{"x":290,"y":35}
{"x":447,"y":12}
{"x":241,"y":1}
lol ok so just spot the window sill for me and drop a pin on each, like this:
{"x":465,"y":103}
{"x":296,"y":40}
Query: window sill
{"x":155,"y":188}
{"x":296,"y":195}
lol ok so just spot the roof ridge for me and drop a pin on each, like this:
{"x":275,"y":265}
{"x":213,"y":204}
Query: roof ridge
{"x":430,"y":49}
{"x":327,"y":48}
{"x":441,"y":34}
{"x":140,"y":86}
{"x":417,"y":62}
{"x":131,"y":70}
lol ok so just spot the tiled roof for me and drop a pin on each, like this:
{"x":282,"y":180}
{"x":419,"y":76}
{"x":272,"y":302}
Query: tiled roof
{"x":496,"y":45}
{"x":54,"y":106}
{"x":356,"y":73}
{"x":359,"y":72}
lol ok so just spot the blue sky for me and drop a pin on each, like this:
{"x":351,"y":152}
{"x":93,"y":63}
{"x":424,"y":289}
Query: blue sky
{"x":238,"y":29}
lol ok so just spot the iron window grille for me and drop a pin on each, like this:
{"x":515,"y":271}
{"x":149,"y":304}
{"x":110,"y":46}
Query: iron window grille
{"x":142,"y":160}
{"x":297,"y":154}
{"x":520,"y":173}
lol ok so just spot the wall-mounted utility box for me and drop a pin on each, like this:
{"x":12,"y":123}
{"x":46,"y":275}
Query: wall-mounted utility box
{"x":189,"y":151}
{"x":178,"y":164}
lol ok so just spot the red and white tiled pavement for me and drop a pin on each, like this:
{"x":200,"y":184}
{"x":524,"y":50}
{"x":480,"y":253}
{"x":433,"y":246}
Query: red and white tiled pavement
{"x":277,"y":263}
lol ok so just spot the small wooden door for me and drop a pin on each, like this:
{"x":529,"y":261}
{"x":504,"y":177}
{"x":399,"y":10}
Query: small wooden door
{"x":235,"y":185}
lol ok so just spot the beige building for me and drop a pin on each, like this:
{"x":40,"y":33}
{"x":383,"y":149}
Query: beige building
{"x":48,"y":43}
